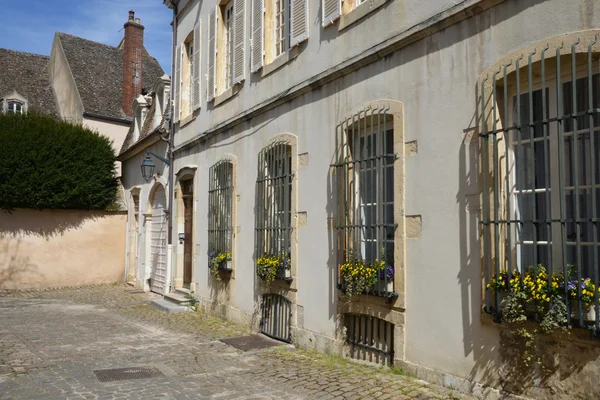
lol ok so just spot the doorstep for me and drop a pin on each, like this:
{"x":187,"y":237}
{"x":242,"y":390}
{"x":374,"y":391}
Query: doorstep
{"x":169,"y":306}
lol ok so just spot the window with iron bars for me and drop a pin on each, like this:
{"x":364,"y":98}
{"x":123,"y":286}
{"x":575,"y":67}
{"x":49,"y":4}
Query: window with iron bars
{"x":365,"y":225}
{"x":541,"y":179}
{"x":220,"y":213}
{"x":274,"y":203}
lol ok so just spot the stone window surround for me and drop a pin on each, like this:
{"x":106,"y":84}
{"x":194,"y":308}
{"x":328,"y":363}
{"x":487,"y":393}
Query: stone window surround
{"x":234,"y":162}
{"x":375,"y":306}
{"x":284,"y":288}
{"x":486,"y":82}
{"x":14,"y":97}
{"x":353,"y":13}
{"x":188,"y":172}
{"x":396,"y":111}
{"x":186,"y":77}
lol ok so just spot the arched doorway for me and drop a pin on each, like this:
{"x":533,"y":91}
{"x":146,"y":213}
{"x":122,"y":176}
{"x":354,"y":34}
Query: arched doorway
{"x":158,"y":241}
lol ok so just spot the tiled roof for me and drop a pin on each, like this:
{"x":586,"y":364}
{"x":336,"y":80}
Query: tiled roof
{"x":27,"y":74}
{"x":98,"y":72}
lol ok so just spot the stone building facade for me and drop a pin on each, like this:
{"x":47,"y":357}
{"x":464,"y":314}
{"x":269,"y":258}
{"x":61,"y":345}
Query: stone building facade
{"x":317,"y":140}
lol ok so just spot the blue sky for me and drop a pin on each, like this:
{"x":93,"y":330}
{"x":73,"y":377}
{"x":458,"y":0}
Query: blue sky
{"x":29,"y":25}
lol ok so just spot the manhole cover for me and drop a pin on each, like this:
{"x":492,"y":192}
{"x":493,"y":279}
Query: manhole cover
{"x":125,"y":374}
{"x":252,"y":342}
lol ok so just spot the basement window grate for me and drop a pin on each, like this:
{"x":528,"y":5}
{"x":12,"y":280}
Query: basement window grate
{"x":370,"y":339}
{"x":126,"y":374}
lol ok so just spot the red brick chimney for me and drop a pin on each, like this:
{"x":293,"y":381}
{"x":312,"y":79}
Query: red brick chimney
{"x":133,"y":50}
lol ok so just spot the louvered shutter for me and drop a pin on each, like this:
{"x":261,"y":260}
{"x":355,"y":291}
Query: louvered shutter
{"x":177,"y":85}
{"x":332,"y":9}
{"x":257,"y":34}
{"x":239,"y":42}
{"x":299,"y":21}
{"x":196,"y":65}
{"x":212,"y":54}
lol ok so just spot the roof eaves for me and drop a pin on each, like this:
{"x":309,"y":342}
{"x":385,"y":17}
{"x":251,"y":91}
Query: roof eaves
{"x":140,"y":145}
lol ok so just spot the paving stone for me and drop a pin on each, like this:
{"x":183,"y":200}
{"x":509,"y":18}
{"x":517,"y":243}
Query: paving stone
{"x":52,"y":340}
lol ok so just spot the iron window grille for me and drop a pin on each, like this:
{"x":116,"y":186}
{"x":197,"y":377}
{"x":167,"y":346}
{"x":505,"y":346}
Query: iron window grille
{"x":364,"y":172}
{"x":540,"y":147}
{"x":220,"y":212}
{"x":274,"y":202}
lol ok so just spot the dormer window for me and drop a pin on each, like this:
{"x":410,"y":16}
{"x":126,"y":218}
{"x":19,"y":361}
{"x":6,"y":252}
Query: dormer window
{"x":162,"y":89}
{"x":140,"y":109}
{"x":14,"y":107}
{"x":14,"y":103}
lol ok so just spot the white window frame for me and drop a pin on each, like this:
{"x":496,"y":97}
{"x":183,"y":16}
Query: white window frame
{"x":281,"y":27}
{"x":227,"y":12}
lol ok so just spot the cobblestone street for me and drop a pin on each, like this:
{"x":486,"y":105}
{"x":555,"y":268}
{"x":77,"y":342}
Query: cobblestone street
{"x":52,"y":341}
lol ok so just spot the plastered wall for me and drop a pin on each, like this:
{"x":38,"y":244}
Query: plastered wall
{"x":54,"y":248}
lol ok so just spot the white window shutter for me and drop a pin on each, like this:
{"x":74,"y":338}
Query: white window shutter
{"x":177,"y":85}
{"x":298,"y":21}
{"x":196,"y":65}
{"x":258,"y":10}
{"x":332,"y":9}
{"x":239,"y":39}
{"x":212,"y":54}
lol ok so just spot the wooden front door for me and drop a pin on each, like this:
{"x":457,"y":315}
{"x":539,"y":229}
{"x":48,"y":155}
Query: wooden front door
{"x":188,"y":241}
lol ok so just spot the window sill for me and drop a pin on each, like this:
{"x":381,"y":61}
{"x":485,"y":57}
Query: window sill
{"x":360,"y":12}
{"x":189,"y":118}
{"x":226,"y":95}
{"x":574,"y":333}
{"x":280,"y":61}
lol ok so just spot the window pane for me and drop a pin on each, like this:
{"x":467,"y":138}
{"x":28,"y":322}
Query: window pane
{"x":582,"y":103}
{"x":526,"y":253}
{"x":528,"y":169}
{"x":584,"y":158}
{"x":526,"y":204}
{"x":587,"y":260}
{"x":584,"y":201}
{"x":524,"y":118}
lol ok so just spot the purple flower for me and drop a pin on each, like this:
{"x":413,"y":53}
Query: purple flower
{"x":387,"y":272}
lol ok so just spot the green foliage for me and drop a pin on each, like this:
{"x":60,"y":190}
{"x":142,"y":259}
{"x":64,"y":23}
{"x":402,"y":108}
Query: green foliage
{"x":51,"y":164}
{"x":514,"y":316}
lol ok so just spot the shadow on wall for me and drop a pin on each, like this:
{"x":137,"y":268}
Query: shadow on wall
{"x":569,"y":364}
{"x":45,"y":223}
{"x":13,"y":265}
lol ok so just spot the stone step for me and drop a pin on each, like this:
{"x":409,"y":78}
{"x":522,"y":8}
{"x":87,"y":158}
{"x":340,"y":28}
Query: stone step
{"x":183,"y":292}
{"x":169,"y":306}
{"x":177,"y":298}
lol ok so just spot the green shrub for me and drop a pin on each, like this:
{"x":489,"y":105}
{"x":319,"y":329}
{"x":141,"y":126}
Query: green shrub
{"x":52,"y":164}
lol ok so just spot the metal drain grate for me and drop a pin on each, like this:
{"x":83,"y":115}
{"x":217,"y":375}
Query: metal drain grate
{"x":252,"y":342}
{"x":125,"y":374}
